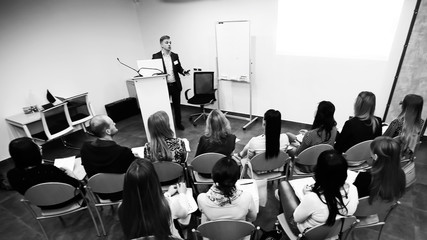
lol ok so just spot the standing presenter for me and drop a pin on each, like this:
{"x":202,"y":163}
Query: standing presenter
{"x":172,"y":66}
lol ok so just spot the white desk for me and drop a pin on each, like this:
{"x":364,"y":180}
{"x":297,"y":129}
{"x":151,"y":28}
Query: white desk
{"x":24,"y":125}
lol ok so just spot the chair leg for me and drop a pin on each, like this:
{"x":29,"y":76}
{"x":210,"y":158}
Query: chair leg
{"x":95,"y":223}
{"x":44,"y":232}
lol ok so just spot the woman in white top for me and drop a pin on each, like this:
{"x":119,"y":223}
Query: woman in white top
{"x":145,"y":210}
{"x":271,"y":141}
{"x":224,"y":200}
{"x":326,"y":200}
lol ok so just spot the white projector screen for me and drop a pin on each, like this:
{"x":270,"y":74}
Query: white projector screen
{"x":356,"y":29}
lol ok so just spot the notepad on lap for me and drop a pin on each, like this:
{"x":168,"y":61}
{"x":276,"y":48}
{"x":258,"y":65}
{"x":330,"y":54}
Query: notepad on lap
{"x":66,"y":163}
{"x":138,"y":151}
{"x":299,"y":184}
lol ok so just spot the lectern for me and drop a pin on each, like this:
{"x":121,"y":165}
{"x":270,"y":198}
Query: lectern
{"x":152,"y":94}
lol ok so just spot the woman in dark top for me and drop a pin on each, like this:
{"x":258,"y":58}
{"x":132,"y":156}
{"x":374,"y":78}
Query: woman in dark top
{"x":386,"y":179}
{"x":218,"y":137}
{"x":29,"y":170}
{"x":363,"y":126}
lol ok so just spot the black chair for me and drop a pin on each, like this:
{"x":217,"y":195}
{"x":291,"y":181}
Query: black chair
{"x":204,"y":93}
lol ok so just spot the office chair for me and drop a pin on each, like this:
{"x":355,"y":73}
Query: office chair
{"x":204,"y":93}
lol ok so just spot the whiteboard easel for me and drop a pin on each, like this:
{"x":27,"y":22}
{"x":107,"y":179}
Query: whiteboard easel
{"x":234,"y":60}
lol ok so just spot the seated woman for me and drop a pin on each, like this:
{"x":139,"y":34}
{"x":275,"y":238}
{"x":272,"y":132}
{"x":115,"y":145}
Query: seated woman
{"x":363,"y":126}
{"x":328,"y":198}
{"x":407,"y":126}
{"x":30,"y":171}
{"x":386,"y":179}
{"x":223,"y":200}
{"x":145,"y":210}
{"x":163,"y":146}
{"x":323,"y":130}
{"x":218,"y":137}
{"x":271,"y":142}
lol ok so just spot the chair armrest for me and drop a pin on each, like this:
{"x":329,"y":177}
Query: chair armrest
{"x":186,"y":93}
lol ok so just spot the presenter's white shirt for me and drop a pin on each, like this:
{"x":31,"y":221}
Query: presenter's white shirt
{"x":169,"y":67}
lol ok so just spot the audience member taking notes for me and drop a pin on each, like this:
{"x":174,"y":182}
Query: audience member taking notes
{"x":363,"y":126}
{"x":145,"y":210}
{"x":323,"y":130}
{"x":217,"y":137}
{"x":104,"y":155}
{"x":386,"y":179}
{"x":223,"y":200}
{"x":163,"y":146}
{"x":30,"y":171}
{"x":407,"y":126}
{"x":322,"y":202}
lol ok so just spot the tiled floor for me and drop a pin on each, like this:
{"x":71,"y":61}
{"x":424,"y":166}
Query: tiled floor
{"x":408,"y":221}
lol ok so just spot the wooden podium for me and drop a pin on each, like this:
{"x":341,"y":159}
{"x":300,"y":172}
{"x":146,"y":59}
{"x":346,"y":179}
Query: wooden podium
{"x":152,"y":94}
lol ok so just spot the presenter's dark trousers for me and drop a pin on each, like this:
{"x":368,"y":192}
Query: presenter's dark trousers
{"x":175,"y":93}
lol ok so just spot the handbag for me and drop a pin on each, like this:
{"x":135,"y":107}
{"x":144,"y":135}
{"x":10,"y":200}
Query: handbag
{"x":409,"y":170}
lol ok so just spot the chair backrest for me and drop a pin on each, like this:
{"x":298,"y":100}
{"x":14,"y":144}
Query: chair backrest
{"x":79,"y":108}
{"x":379,"y":207}
{"x":106,"y":182}
{"x":260,"y":163}
{"x":358,"y":153}
{"x":168,"y":171}
{"x":225,"y":229}
{"x":310,"y":155}
{"x":205,"y":162}
{"x":323,"y":231}
{"x":203,"y":83}
{"x":56,"y":121}
{"x":50,"y":193}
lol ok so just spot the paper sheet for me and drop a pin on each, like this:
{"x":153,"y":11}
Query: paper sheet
{"x":138,"y":151}
{"x":79,"y":171}
{"x":187,"y":144}
{"x":67,"y":163}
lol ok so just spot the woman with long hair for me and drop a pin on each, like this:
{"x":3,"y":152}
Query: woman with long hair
{"x":224,"y":200}
{"x":163,"y":146}
{"x":145,"y":210}
{"x":408,"y":125}
{"x":271,"y":142}
{"x":30,"y":171}
{"x":218,"y":137}
{"x":330,"y":196}
{"x":386,"y":179}
{"x":363,"y":126}
{"x":323,"y":130}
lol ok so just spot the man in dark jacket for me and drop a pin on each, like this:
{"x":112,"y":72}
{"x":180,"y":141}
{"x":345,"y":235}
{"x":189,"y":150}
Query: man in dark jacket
{"x":104,"y":155}
{"x":172,"y":66}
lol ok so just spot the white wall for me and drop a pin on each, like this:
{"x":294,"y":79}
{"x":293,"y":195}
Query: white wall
{"x":71,"y":47}
{"x":68,"y":47}
{"x":293,"y":85}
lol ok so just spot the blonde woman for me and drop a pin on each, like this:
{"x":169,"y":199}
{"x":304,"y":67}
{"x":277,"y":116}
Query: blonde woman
{"x":218,"y":137}
{"x":363,"y":126}
{"x":163,"y":146}
{"x":408,"y":124}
